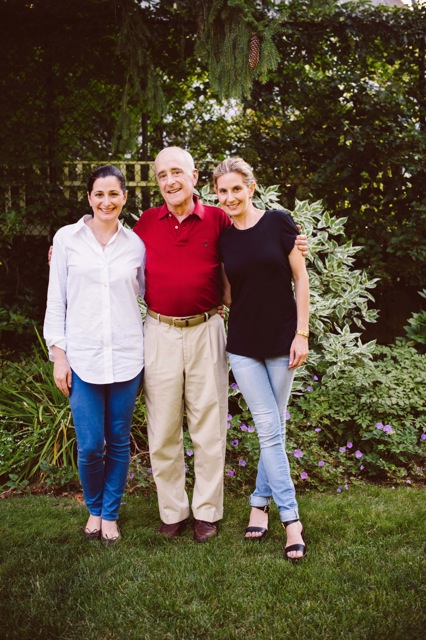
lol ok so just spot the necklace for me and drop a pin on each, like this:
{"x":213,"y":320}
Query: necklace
{"x":103,"y":244}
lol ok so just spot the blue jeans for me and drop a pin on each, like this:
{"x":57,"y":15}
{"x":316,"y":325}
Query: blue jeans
{"x":102,"y":416}
{"x":266,"y":386}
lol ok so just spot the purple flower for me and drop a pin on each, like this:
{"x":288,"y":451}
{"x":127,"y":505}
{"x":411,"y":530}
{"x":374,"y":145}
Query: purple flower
{"x":287,"y":415}
{"x":130,"y":475}
{"x":234,"y":443}
{"x":298,"y":454}
{"x":242,"y":463}
{"x":250,"y":429}
{"x":342,"y":449}
{"x":349,"y":445}
{"x":234,"y":385}
{"x":321,"y":463}
{"x":243,"y":427}
{"x":303,"y":475}
{"x":228,"y":426}
{"x":316,"y":378}
{"x":189,"y":452}
{"x":379,"y":425}
{"x":387,"y":429}
{"x":309,"y":388}
{"x":423,"y":436}
{"x":186,"y":467}
{"x":231,"y":473}
{"x":150,"y":470}
{"x":229,"y":417}
{"x":346,"y":488}
{"x":339,"y":489}
{"x":361,"y":467}
{"x":358,"y":454}
{"x":419,"y":470}
{"x":318,"y":430}
{"x":408,"y":481}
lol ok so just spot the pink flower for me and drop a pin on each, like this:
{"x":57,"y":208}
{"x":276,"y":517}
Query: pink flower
{"x":358,"y":454}
{"x":321,"y":463}
{"x":342,"y":449}
{"x":231,"y":473}
{"x":379,"y":425}
{"x":298,"y":454}
{"x":349,"y":445}
{"x":303,"y":475}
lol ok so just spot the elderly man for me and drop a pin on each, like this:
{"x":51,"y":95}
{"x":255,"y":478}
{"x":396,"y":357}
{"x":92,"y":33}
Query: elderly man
{"x":185,"y":360}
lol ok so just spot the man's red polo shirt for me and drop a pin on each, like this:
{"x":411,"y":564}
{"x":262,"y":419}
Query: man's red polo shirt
{"x":182,"y":259}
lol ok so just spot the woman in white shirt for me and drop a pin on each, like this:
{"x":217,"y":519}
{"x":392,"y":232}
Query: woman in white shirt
{"x":93,"y":329}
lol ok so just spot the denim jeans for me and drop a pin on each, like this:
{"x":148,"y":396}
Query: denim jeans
{"x":102,"y":415}
{"x":266,"y":386}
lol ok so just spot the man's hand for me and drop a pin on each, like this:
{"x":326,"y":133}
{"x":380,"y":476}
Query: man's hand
{"x":301,"y":243}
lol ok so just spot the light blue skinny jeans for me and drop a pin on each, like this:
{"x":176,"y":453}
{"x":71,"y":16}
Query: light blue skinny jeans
{"x":102,"y":416}
{"x":266,"y":386}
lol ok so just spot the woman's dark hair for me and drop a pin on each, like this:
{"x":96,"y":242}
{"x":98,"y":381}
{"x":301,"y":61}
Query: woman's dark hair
{"x":104,"y":172}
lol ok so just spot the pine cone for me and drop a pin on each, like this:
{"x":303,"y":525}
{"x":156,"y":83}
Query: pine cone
{"x":254,"y":50}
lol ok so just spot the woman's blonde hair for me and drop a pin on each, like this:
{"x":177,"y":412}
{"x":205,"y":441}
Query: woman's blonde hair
{"x":234,"y":165}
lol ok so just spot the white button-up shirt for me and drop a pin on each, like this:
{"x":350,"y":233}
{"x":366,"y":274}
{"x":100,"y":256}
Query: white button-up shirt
{"x":92,"y":303}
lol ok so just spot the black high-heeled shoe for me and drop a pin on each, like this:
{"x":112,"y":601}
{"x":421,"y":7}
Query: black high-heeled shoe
{"x":295,"y":547}
{"x":262,"y":530}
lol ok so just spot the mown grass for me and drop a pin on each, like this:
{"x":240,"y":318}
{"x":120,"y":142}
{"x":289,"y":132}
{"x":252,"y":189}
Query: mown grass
{"x":363,"y":578}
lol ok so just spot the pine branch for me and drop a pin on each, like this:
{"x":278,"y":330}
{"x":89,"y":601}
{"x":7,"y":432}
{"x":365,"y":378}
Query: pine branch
{"x":236,"y":46}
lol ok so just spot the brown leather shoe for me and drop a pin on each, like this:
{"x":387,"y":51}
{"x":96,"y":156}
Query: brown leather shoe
{"x":204,"y":530}
{"x":172,"y":530}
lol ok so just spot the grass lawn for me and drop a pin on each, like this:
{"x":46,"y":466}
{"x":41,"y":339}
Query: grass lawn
{"x":364,"y":577}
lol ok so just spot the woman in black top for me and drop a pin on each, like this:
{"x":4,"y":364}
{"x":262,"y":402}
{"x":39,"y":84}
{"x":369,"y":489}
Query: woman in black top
{"x":268,"y":333}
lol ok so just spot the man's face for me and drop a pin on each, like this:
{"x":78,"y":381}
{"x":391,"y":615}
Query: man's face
{"x":176,"y":178}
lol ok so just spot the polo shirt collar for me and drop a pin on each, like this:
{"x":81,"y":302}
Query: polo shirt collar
{"x":198,"y":209}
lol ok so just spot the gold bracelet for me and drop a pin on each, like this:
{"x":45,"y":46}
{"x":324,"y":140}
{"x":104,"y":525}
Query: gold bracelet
{"x":305,"y":334}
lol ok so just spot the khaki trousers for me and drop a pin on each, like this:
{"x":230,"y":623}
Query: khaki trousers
{"x":186,"y":370}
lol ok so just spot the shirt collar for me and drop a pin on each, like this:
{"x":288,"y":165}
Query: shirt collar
{"x":81,"y":224}
{"x":198,"y":209}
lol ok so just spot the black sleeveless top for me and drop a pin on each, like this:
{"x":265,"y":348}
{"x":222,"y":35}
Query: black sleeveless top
{"x":263,"y":317}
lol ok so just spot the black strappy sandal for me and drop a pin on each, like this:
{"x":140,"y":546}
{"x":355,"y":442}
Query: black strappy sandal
{"x":260,"y":530}
{"x":295,"y":547}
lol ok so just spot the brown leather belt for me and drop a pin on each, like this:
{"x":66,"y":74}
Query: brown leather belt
{"x":187,"y":321}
